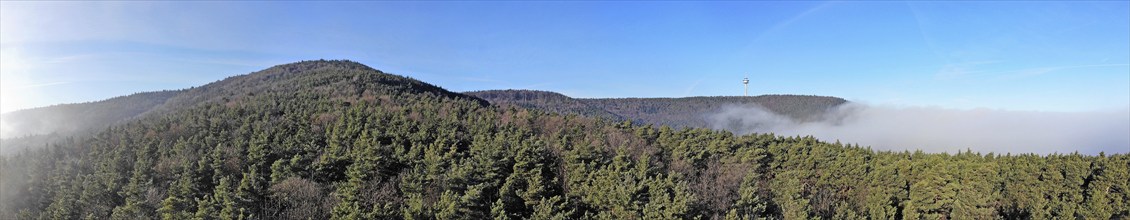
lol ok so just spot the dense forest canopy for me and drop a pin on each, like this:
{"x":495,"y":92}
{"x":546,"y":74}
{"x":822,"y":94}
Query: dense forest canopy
{"x":340,"y":140}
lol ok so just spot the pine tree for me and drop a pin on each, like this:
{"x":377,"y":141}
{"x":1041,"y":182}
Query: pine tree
{"x":223,"y":198}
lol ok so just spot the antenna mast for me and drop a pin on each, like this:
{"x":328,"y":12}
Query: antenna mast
{"x":746,"y":82}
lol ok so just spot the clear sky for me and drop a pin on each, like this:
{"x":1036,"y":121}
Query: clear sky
{"x":1041,"y":56}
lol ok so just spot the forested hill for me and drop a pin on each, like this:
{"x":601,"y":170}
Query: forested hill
{"x":69,"y":119}
{"x":347,"y":81}
{"x":675,"y":112}
{"x":39,"y":126}
{"x":33,"y":127}
{"x":546,"y":101}
{"x":338,"y":140}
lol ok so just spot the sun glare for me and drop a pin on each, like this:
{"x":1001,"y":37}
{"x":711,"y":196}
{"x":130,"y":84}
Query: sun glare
{"x":11,"y":80}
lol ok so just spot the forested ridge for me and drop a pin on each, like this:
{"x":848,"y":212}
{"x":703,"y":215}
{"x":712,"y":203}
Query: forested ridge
{"x":687,"y":112}
{"x":546,"y":101}
{"x":37,"y":126}
{"x":340,"y":140}
{"x":81,"y":117}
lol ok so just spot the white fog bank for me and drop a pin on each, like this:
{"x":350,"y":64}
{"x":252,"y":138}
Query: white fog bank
{"x":945,"y":130}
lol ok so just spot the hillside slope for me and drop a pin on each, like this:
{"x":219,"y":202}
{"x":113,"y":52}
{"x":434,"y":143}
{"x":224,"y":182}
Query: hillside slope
{"x":339,"y":140}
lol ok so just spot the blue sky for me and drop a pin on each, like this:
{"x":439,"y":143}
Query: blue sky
{"x":1031,"y":56}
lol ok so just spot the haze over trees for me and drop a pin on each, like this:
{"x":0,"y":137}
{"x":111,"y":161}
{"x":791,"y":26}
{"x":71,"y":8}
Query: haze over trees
{"x":340,"y":140}
{"x":884,"y":127}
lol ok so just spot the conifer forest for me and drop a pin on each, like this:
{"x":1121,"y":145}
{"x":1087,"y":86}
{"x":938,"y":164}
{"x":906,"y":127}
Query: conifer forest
{"x":340,"y":140}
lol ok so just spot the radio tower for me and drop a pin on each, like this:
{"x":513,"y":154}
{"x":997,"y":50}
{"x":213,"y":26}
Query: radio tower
{"x":746,"y":82}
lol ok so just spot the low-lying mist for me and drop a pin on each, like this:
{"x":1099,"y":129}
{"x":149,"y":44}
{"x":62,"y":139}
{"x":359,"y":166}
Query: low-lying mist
{"x":944,"y":130}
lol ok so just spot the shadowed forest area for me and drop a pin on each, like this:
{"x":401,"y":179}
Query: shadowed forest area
{"x":340,"y":140}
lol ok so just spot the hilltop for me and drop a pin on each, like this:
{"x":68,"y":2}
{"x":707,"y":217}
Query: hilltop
{"x":338,"y":79}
